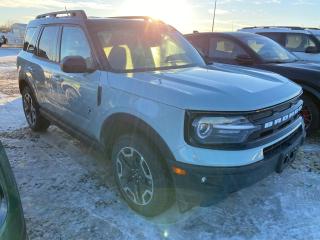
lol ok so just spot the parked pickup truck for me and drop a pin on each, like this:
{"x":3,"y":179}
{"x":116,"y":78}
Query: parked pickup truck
{"x":174,"y":130}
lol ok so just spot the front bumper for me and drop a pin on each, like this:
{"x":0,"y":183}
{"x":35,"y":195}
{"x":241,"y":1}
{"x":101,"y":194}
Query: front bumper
{"x":204,"y":185}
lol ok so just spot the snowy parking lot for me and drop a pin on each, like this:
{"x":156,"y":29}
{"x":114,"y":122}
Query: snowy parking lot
{"x":68,"y":192}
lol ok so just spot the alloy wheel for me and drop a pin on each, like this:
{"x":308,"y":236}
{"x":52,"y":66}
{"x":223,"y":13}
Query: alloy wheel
{"x":134,"y":175}
{"x":29,"y":109}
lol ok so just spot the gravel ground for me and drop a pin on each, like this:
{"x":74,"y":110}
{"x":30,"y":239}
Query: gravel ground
{"x":68,"y":192}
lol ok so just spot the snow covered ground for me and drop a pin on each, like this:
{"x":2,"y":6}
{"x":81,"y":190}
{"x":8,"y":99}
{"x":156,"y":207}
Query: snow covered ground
{"x":68,"y":192}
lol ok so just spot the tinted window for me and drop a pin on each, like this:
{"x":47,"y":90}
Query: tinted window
{"x":221,"y":48}
{"x":201,"y":44}
{"x":298,"y":42}
{"x":48,"y":43}
{"x":267,"y":50}
{"x":274,"y":36}
{"x":75,"y":43}
{"x":28,"y":37}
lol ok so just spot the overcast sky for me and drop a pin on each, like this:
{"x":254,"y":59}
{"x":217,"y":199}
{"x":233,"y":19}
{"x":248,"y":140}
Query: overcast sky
{"x":185,"y":15}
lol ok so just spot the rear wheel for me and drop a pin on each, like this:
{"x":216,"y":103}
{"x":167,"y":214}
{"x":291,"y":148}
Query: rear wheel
{"x":310,"y":114}
{"x":141,"y":176}
{"x":31,"y":111}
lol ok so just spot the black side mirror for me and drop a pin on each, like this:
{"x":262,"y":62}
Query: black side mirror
{"x":244,"y":60}
{"x":312,"y":50}
{"x":74,"y":64}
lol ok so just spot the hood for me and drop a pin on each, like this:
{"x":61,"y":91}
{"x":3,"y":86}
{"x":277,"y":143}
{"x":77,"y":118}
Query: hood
{"x":304,"y":65}
{"x":301,"y":71}
{"x":212,"y":89}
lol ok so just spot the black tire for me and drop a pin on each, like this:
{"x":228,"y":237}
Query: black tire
{"x":145,"y":204}
{"x":31,"y":111}
{"x":310,"y":113}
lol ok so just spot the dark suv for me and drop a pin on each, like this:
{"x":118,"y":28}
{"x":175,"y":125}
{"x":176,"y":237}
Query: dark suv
{"x":259,"y":52}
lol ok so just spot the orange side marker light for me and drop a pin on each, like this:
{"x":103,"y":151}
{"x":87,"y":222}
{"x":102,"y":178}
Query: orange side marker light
{"x":179,"y":171}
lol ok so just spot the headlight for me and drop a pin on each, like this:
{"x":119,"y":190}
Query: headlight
{"x":217,"y":130}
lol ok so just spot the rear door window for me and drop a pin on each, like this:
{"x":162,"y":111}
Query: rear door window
{"x":298,"y":42}
{"x":48,"y":43}
{"x":224,"y":49}
{"x":277,"y":37}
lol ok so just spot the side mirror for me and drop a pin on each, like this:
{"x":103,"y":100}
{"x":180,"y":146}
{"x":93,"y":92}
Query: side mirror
{"x":244,"y":60}
{"x":74,"y":64}
{"x":312,"y":50}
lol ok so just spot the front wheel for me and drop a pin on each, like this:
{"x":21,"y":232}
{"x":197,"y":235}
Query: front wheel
{"x":31,"y":111}
{"x":310,"y":114}
{"x":141,"y":176}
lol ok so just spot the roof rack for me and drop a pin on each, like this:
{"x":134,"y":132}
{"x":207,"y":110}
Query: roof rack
{"x":288,"y":27}
{"x":313,"y":28}
{"x":134,"y":17}
{"x":145,"y":18}
{"x":68,"y":13}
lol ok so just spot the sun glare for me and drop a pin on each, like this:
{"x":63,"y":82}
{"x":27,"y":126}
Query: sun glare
{"x":177,"y":13}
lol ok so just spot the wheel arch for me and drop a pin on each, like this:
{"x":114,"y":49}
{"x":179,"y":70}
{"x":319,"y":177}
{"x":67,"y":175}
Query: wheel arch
{"x":119,"y":123}
{"x":313,"y":93}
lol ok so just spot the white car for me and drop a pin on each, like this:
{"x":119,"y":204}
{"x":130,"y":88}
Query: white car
{"x":303,"y":42}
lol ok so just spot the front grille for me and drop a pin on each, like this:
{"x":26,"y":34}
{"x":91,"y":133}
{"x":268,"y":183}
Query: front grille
{"x":272,"y":115}
{"x":275,"y":148}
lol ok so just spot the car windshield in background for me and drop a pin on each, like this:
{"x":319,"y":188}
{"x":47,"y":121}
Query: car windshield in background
{"x":318,"y":37}
{"x":268,"y":50}
{"x":149,"y":48}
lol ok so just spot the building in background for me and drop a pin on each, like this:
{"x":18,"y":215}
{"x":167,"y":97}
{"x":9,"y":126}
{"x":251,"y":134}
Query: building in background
{"x":15,"y":35}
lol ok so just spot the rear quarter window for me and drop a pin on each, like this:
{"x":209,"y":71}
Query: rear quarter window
{"x":28,"y":37}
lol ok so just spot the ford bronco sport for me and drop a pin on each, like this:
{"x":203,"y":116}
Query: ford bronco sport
{"x":174,"y":130}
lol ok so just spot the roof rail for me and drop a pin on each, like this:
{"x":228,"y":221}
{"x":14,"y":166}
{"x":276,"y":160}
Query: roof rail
{"x":134,"y":17}
{"x":68,"y":13}
{"x":268,"y":27}
{"x":145,"y":18}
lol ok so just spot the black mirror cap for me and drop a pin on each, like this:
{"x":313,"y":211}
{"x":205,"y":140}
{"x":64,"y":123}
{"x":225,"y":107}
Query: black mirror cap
{"x":312,"y":49}
{"x":74,"y":64}
{"x":244,"y":59}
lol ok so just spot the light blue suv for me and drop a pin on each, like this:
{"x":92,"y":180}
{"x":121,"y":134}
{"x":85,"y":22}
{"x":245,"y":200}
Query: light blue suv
{"x":174,"y":130}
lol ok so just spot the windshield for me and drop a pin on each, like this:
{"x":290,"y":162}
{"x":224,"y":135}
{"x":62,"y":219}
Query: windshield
{"x":148,"y":48}
{"x":268,"y":50}
{"x":318,"y":37}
